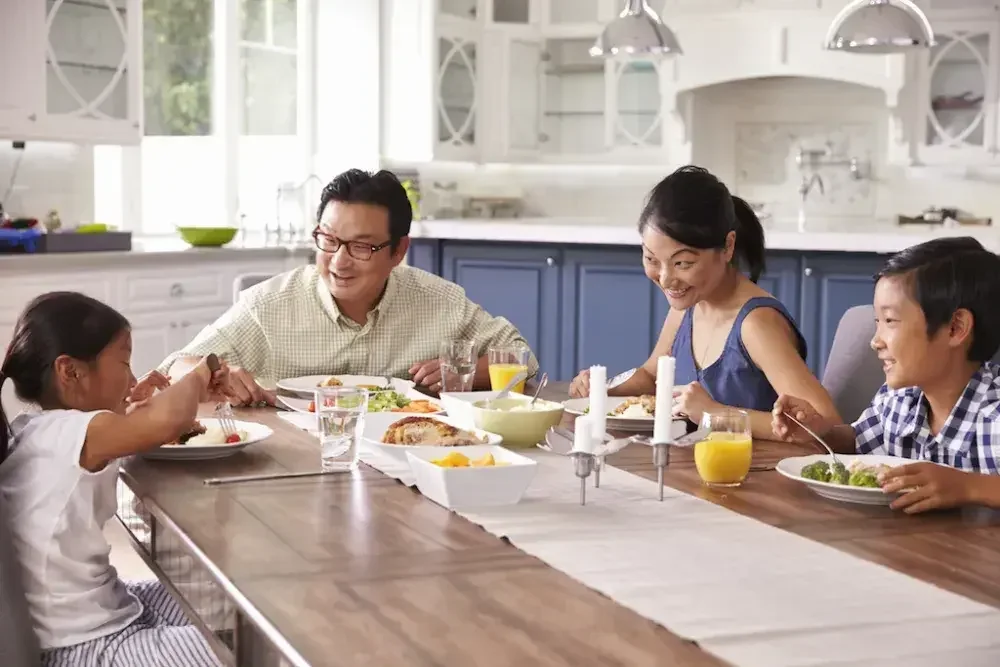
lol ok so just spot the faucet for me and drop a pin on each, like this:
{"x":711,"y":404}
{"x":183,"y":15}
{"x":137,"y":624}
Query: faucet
{"x":804,"y":190}
{"x":282,"y":190}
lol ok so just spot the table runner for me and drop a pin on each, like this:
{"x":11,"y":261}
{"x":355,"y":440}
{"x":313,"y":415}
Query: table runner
{"x":752,"y":594}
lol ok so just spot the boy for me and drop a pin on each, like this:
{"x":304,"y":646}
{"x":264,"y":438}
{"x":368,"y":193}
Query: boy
{"x":937,"y":314}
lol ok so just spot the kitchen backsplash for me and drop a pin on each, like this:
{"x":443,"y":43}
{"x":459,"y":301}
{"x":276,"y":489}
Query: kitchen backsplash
{"x":51,"y":176}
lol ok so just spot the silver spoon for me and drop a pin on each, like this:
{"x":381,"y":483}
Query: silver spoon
{"x":815,"y":437}
{"x":541,"y":385}
{"x":505,"y":392}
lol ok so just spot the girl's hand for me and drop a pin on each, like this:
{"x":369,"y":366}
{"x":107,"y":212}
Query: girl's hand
{"x":928,"y":486}
{"x":216,"y":384}
{"x":580,"y":386}
{"x":692,"y":401}
{"x":149,"y":384}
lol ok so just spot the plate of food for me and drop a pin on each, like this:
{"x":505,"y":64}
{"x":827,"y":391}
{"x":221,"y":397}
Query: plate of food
{"x":307,"y":385}
{"x":625,"y":413}
{"x":412,"y":402}
{"x":393,"y":434}
{"x":854,"y":480}
{"x":206,"y":440}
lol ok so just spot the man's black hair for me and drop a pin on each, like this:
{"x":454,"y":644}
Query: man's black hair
{"x":949,"y":274}
{"x":380,"y":188}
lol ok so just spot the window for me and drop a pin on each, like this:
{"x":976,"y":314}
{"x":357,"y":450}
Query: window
{"x":225,"y":117}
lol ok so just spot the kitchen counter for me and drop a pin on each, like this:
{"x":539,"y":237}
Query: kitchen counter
{"x":823,"y":235}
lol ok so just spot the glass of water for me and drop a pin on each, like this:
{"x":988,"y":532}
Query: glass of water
{"x":340,"y":419}
{"x":458,"y":365}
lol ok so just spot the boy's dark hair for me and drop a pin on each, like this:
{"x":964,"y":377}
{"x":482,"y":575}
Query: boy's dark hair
{"x":380,"y":188}
{"x":53,"y":325}
{"x":695,"y":208}
{"x":952,"y":273}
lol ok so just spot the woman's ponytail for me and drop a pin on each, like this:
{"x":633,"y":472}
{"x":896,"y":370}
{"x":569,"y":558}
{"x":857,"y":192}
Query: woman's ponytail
{"x":749,"y":239}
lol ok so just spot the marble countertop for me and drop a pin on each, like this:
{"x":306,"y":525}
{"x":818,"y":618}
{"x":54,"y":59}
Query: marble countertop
{"x":830,"y":235}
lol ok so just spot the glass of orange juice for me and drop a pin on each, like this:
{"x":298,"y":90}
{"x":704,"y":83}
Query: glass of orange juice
{"x":723,"y":458}
{"x":506,"y":362}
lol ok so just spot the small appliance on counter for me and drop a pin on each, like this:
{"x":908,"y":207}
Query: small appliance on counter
{"x":948,"y":217}
{"x":27,"y":235}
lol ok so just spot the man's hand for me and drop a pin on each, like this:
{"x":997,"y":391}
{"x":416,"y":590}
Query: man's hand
{"x":243,"y":390}
{"x":928,"y":486}
{"x":427,"y":374}
{"x":149,"y":384}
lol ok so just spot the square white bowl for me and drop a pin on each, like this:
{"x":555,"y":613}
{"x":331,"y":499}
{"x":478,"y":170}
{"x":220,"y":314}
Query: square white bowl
{"x":377,"y":423}
{"x":458,"y":404}
{"x":470,"y":488}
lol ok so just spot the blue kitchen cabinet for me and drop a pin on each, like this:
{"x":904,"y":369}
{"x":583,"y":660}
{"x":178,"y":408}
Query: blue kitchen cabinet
{"x":611,"y":312}
{"x":425,"y":254}
{"x":782,"y":278}
{"x":831,"y":284}
{"x":519,"y":282}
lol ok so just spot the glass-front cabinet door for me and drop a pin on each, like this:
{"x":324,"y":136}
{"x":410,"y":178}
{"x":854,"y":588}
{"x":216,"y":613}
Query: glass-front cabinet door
{"x":457,"y":87}
{"x":635,"y":119}
{"x":958,"y":115}
{"x":92,"y":77}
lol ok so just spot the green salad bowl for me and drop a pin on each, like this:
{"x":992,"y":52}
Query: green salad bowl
{"x":207,"y":237}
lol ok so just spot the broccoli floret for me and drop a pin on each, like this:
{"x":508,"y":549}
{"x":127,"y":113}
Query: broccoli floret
{"x":839,"y":473}
{"x":864,"y":477}
{"x":819,"y":471}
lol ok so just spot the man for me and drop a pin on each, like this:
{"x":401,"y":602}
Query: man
{"x":357,"y":311}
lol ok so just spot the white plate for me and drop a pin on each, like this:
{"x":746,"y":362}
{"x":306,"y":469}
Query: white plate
{"x":578,"y":406}
{"x":297,"y":404}
{"x":792,"y":469}
{"x":255,"y":433}
{"x":377,"y":423}
{"x":308,"y":384}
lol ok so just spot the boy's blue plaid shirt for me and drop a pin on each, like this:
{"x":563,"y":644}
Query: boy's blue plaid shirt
{"x":896,"y":424}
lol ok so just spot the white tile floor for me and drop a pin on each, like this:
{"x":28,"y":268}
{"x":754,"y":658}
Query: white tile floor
{"x":129,"y":564}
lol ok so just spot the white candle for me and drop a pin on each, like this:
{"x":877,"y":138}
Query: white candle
{"x":583,"y":440}
{"x":598,"y":402}
{"x":664,"y":399}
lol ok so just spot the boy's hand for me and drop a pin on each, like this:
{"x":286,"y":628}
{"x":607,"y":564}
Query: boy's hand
{"x":150,"y":383}
{"x":928,"y":486}
{"x":787,"y":430}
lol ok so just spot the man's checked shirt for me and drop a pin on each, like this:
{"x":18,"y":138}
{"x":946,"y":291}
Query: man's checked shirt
{"x":896,"y":424}
{"x":290,"y":326}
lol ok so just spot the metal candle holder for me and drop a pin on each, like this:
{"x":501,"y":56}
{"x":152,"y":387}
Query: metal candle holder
{"x":583,"y":465}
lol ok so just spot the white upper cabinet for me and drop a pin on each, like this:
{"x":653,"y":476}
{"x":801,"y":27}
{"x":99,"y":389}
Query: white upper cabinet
{"x":956,"y":116}
{"x":77,"y":76}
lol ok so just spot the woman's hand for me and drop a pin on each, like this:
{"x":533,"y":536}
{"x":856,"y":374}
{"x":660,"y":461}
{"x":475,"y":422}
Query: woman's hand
{"x":928,"y":486}
{"x":580,"y":386}
{"x":149,"y":384}
{"x":692,"y":401}
{"x":787,"y":430}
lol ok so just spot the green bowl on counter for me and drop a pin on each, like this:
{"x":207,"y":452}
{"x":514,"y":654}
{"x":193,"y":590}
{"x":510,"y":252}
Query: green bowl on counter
{"x":508,"y":418}
{"x":207,"y":237}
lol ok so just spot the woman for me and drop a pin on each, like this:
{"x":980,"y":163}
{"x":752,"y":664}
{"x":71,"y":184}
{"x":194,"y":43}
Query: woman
{"x":734,"y":344}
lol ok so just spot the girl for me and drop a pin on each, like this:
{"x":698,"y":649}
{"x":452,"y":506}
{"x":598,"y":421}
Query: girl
{"x":734,"y":344}
{"x":70,"y":355}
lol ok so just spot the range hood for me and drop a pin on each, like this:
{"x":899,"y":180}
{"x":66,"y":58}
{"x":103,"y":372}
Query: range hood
{"x":748,"y":45}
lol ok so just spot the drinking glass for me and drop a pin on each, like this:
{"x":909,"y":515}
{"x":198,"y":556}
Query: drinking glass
{"x":458,"y":365}
{"x":506,"y":362}
{"x":723,"y":458}
{"x":340,"y":419}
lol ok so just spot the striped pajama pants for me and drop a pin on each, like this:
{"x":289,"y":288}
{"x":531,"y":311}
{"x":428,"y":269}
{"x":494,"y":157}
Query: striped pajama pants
{"x":161,"y":637}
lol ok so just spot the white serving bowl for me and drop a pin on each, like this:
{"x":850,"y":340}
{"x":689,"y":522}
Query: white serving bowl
{"x":377,"y":423}
{"x":474,"y":487}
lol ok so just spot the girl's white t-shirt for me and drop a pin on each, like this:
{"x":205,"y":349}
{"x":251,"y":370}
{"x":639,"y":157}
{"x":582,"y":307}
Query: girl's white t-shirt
{"x":57,"y":513}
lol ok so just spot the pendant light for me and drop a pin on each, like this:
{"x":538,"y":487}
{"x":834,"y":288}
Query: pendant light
{"x":638,"y":31}
{"x":880,"y":26}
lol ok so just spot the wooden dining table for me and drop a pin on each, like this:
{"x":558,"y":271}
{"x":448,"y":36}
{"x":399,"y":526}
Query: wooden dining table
{"x":358,"y":568}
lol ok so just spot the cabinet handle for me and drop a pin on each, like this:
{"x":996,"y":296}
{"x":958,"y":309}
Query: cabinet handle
{"x":551,"y":261}
{"x":173,"y":325}
{"x":32,"y":117}
{"x":808,"y":271}
{"x":176,"y":289}
{"x":543,"y":138}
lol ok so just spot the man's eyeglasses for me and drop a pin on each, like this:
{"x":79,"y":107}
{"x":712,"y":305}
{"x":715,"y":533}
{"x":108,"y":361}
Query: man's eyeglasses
{"x":356,"y":249}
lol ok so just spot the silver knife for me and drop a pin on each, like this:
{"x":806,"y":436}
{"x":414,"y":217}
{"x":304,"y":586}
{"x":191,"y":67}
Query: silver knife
{"x":683,"y":441}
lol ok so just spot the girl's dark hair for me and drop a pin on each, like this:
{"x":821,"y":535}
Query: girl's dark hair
{"x":53,"y":325}
{"x":695,"y":208}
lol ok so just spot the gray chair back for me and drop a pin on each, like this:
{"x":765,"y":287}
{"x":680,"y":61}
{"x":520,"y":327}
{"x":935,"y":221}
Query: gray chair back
{"x":853,"y":372}
{"x":246,"y":281}
{"x":18,"y":643}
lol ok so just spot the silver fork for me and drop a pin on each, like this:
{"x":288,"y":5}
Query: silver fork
{"x":815,"y":437}
{"x":224,"y":413}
